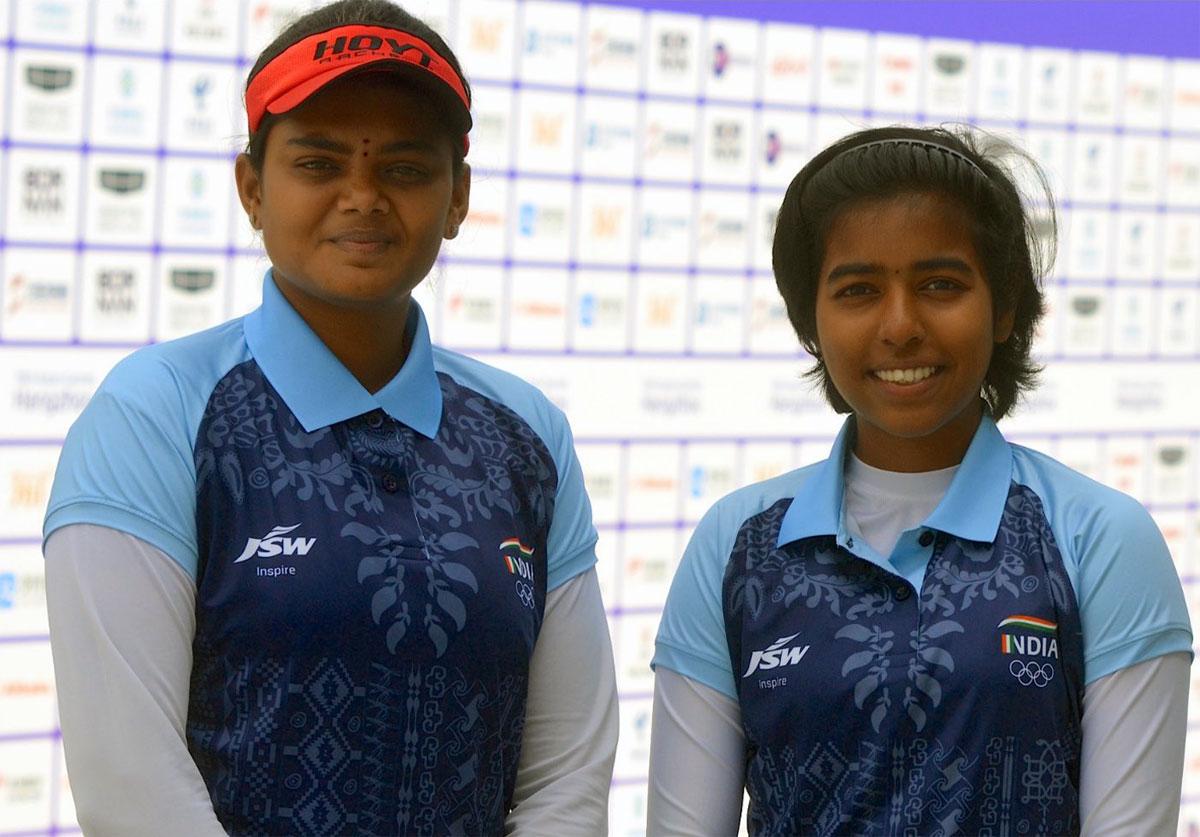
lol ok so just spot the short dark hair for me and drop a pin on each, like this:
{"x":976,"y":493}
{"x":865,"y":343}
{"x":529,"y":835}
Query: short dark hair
{"x":968,"y":167}
{"x":342,"y":13}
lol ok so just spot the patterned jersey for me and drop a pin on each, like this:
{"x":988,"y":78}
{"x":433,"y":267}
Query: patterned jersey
{"x":370,"y":569}
{"x":937,"y":690}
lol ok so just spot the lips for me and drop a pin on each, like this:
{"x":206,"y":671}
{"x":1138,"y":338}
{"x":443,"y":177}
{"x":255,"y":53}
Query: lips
{"x":906,"y":376}
{"x":364,"y":241}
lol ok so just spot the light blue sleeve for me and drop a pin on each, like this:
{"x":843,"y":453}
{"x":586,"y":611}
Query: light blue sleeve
{"x":691,"y":636}
{"x":571,"y":543}
{"x":127,"y":462}
{"x":1131,"y":603}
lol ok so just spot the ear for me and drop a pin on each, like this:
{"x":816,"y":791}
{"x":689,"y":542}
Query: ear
{"x":249,"y":188}
{"x":460,"y":202}
{"x":1004,"y":325}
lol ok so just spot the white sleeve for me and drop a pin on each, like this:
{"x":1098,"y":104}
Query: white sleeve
{"x":1134,"y":723}
{"x":570,"y":738}
{"x":697,"y":759}
{"x":122,"y":617}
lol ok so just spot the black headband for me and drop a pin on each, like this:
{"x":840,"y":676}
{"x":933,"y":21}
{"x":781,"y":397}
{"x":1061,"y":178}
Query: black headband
{"x":929,"y":144}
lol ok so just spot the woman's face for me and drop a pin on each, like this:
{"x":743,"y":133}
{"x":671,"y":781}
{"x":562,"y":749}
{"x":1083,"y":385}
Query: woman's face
{"x":906,"y":329}
{"x":356,"y":192}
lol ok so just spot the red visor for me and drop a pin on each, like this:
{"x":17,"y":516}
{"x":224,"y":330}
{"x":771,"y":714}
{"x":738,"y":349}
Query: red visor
{"x":308,"y":65}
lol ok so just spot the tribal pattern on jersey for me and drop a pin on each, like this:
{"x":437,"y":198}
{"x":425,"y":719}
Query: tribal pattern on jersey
{"x":364,"y":625}
{"x":957,"y":710}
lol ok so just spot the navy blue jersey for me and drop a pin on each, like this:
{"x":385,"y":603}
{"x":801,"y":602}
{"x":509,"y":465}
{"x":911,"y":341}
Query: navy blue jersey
{"x":937,"y":690}
{"x":370,"y":570}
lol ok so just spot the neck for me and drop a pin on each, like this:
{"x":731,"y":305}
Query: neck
{"x":370,"y":341}
{"x":932,"y":452}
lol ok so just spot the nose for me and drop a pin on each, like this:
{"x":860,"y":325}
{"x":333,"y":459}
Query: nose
{"x":361,"y":192}
{"x":901,"y":320}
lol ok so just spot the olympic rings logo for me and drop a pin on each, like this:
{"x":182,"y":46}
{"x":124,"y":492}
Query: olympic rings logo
{"x":525,"y":593}
{"x":1031,"y":673}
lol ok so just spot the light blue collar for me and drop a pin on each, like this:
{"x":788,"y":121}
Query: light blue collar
{"x":971,"y":508}
{"x":319,"y":390}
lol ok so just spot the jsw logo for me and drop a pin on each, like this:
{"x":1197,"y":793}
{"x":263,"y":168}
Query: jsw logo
{"x":776,"y":656}
{"x":274,"y":543}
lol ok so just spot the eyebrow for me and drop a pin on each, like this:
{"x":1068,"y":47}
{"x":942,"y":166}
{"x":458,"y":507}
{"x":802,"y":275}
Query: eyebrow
{"x":318,"y":142}
{"x":872,"y":269}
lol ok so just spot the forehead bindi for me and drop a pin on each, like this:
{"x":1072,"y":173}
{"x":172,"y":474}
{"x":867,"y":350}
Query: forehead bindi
{"x":366,"y":146}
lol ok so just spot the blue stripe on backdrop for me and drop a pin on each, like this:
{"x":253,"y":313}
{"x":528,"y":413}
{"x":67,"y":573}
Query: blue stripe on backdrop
{"x":1154,"y":27}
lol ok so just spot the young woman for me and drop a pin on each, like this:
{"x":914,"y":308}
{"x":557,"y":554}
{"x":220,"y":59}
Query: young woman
{"x":933,"y":631}
{"x":307,"y":573}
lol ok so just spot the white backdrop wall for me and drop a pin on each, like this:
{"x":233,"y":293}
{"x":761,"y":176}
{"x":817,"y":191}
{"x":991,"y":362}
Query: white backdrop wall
{"x":627,"y":168}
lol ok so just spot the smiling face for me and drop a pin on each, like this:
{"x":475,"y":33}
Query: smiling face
{"x":356,"y":192}
{"x":906,"y":329}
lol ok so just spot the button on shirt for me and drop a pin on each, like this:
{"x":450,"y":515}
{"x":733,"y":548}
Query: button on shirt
{"x":370,"y":568}
{"x":1034,"y":582}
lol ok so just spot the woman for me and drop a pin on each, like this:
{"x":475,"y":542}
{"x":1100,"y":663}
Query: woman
{"x":308,"y":574}
{"x":933,"y":631}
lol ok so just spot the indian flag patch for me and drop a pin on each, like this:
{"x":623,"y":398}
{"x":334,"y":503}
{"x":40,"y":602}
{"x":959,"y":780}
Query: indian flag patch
{"x":1029,"y":623}
{"x":1042,"y":643}
{"x":516,"y":557}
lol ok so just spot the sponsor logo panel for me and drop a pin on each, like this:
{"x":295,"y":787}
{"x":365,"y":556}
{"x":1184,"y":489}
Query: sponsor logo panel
{"x":204,"y":110}
{"x":22,"y":592}
{"x":205,"y":27}
{"x":710,"y":471}
{"x":57,"y":21}
{"x":37,"y":294}
{"x":718,"y":314}
{"x":1095,"y":99}
{"x":788,"y":72}
{"x":543,"y":220}
{"x":126,"y":94}
{"x":191,"y":295}
{"x":661,"y":312}
{"x":649,"y":558}
{"x":550,"y":42}
{"x":1049,"y":85}
{"x":471,"y":316}
{"x":673,"y":52}
{"x":1144,"y":94}
{"x":120,"y":199}
{"x":653,"y":474}
{"x":896,"y":76}
{"x":842,"y":74}
{"x":664,"y":227}
{"x":538,"y":309}
{"x":731,"y":58}
{"x":669,"y":141}
{"x":26,"y":688}
{"x":47,"y":96}
{"x":1002,"y":85}
{"x":26,"y":474}
{"x":485,"y":38}
{"x":198,"y":197}
{"x":613,"y":48}
{"x":546,"y":132}
{"x":601,"y":310}
{"x":131,"y":24}
{"x":949,"y":78}
{"x":43,"y":196}
{"x":42,"y":391}
{"x":25,"y":782}
{"x":609,"y":135}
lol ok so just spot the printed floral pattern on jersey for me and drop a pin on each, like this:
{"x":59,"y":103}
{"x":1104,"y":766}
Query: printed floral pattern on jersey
{"x":363,"y":637}
{"x":957,"y":709}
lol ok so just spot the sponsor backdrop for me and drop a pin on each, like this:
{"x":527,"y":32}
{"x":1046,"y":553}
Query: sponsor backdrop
{"x":628,"y":164}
